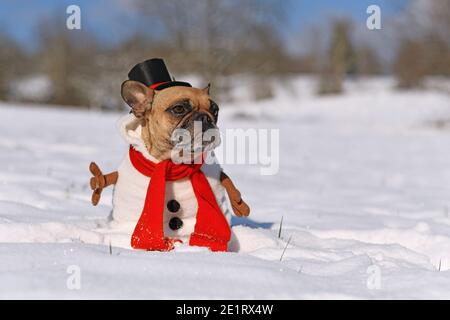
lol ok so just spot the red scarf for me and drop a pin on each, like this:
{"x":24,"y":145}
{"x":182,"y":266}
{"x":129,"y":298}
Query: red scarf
{"x":211,"y":228}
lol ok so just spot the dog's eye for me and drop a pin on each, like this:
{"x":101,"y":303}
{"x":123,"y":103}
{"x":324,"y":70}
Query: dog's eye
{"x":180,"y":109}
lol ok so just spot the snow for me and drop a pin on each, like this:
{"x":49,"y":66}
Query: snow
{"x":32,"y":88}
{"x":363,"y":189}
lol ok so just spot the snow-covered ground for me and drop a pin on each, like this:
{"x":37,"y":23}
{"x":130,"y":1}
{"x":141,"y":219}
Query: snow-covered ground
{"x":363,"y":189}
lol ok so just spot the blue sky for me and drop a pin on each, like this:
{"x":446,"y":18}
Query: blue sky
{"x":112,"y":20}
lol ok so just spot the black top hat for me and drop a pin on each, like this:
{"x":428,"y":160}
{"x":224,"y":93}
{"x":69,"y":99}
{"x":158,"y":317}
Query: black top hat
{"x":154,"y":74}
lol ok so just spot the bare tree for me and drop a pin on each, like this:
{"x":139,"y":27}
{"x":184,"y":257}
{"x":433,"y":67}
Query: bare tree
{"x":424,"y":43}
{"x":66,"y":57}
{"x":12,"y":64}
{"x":217,"y":38}
{"x":341,"y":59}
{"x":367,"y":61}
{"x":409,"y":64}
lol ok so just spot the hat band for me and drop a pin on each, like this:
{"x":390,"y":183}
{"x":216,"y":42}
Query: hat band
{"x":155,"y":85}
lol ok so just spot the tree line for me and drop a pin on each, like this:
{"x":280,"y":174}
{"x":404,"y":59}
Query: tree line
{"x":215,"y":41}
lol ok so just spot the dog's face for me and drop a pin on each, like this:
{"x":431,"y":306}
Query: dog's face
{"x":163,"y":112}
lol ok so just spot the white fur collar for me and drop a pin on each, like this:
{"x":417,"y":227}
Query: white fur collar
{"x":130,"y":129}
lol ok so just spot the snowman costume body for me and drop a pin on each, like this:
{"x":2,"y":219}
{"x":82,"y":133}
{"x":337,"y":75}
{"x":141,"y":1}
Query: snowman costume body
{"x":180,"y":209}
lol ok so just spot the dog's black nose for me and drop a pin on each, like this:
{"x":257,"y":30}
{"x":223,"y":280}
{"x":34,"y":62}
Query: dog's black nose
{"x":207,"y":122}
{"x":204,"y":118}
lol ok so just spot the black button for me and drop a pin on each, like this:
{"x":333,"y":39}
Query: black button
{"x":173,"y":206}
{"x":175,"y":223}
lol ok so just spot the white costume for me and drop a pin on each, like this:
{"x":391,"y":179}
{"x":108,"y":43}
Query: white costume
{"x":180,"y":202}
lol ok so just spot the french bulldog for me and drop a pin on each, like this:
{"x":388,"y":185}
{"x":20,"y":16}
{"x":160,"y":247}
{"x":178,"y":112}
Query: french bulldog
{"x":149,"y":129}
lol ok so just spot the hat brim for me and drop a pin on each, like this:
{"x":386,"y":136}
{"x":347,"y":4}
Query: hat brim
{"x":169,"y":84}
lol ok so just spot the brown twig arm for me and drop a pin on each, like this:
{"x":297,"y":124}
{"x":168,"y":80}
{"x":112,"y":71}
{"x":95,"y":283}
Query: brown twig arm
{"x":99,"y":181}
{"x":240,"y":208}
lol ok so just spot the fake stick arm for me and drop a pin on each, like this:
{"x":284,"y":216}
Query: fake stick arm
{"x":240,"y":208}
{"x":99,"y":181}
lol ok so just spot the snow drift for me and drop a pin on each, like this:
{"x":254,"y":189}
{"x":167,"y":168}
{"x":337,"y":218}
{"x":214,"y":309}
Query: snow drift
{"x":363,"y":190}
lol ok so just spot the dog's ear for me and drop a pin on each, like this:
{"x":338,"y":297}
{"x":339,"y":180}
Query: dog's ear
{"x":137,"y":96}
{"x":207,"y":89}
